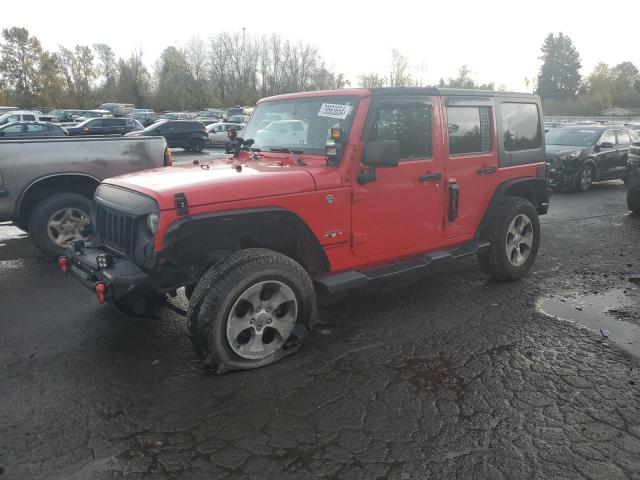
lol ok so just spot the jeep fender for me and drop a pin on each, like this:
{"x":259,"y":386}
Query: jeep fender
{"x":533,"y":189}
{"x":198,"y":241}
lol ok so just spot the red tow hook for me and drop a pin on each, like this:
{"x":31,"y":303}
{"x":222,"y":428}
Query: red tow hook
{"x":101,"y":293}
{"x":64,"y":264}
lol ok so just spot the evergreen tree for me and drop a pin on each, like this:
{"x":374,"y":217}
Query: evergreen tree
{"x":559,"y":76}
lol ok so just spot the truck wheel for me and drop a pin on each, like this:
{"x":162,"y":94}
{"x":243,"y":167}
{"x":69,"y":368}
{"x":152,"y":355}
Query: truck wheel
{"x":197,"y":145}
{"x":515,"y":237}
{"x":250,"y":310}
{"x":633,"y":200}
{"x":56,"y":222}
{"x":584,"y":178}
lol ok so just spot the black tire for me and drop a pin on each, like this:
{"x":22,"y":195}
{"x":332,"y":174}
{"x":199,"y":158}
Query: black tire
{"x":495,"y":262}
{"x":42,"y":213}
{"x":197,"y":145}
{"x":584,"y":178}
{"x":633,"y":199}
{"x":220,"y":288}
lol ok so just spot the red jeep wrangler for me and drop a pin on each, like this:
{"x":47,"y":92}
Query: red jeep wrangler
{"x":326,"y":190}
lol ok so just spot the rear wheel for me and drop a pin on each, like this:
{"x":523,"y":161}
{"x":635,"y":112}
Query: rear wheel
{"x":57,"y":221}
{"x":250,"y":310}
{"x":197,"y":145}
{"x":515,"y":237}
{"x":633,"y":199}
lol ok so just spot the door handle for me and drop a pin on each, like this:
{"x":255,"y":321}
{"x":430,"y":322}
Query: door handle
{"x":486,"y":170}
{"x":432,"y":177}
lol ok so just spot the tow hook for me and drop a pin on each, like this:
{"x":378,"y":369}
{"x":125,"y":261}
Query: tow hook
{"x":101,"y":293}
{"x":64,"y":264}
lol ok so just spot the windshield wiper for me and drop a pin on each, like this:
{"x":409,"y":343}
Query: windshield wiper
{"x":293,"y":153}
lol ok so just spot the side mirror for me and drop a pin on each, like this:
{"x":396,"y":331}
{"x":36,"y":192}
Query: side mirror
{"x":381,"y":153}
{"x":606,"y":145}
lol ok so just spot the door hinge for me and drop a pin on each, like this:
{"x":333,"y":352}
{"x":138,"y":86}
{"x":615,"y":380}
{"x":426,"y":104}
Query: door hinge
{"x":358,"y":239}
{"x":358,"y":194}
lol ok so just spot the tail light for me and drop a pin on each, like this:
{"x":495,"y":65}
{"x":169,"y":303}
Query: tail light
{"x":64,"y":264}
{"x":168,"y":158}
{"x":543,"y":171}
{"x":101,"y":293}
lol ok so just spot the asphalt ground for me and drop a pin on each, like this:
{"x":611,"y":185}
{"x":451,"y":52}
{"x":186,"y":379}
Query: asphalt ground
{"x":446,"y":376}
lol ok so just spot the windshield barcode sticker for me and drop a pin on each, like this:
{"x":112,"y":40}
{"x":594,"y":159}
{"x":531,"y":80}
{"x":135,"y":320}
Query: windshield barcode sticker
{"x":333,"y":110}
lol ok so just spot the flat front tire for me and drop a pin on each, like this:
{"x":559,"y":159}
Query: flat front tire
{"x":584,"y":178}
{"x":514,"y":235}
{"x":250,"y":310}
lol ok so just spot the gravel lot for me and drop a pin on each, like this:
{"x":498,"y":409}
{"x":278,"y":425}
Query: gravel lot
{"x":443,"y":377}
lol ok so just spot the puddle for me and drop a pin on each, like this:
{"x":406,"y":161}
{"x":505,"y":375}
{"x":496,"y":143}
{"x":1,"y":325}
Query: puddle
{"x":612,"y":314}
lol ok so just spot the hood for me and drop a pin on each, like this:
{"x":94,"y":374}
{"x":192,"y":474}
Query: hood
{"x":552,"y":151}
{"x":217,"y":181}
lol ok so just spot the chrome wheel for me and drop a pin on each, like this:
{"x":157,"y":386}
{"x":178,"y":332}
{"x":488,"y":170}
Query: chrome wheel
{"x":261,"y":319}
{"x":519,"y":240}
{"x":64,"y":226}
{"x":586,"y":177}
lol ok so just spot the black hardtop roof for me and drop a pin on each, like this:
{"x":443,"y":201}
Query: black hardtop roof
{"x":446,"y":92}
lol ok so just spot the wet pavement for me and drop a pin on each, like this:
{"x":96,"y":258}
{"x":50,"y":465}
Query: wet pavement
{"x":449,"y":376}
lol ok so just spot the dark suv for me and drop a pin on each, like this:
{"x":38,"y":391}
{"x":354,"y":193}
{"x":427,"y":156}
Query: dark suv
{"x":633,"y":184}
{"x":187,"y":134}
{"x":105,"y":126}
{"x":580,"y":155}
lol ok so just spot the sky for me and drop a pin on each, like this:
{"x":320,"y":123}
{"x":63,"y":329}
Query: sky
{"x":498,"y":40}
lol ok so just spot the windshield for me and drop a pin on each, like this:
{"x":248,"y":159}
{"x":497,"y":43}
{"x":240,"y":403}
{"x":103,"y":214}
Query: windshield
{"x":301,"y":124}
{"x":581,"y":137}
{"x":152,"y":127}
{"x":170,"y":116}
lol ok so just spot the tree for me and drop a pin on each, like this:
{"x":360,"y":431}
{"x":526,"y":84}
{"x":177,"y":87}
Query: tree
{"x":133,"y":80}
{"x":371,"y":80}
{"x":559,"y":75}
{"x":400,"y":75}
{"x":79,"y":73}
{"x":19,"y":67}
{"x":464,"y":80}
{"x":52,"y":83}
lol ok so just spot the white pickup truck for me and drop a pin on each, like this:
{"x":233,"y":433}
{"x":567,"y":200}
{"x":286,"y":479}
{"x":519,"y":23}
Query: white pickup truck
{"x":46,"y":184}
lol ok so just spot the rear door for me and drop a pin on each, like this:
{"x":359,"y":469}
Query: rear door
{"x":471,"y":162}
{"x":607,"y":156}
{"x":622,"y":150}
{"x":402,"y":208}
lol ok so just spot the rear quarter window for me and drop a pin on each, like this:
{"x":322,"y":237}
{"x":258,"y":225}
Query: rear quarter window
{"x":521,"y":128}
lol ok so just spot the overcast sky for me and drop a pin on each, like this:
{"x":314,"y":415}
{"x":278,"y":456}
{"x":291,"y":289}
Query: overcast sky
{"x":498,"y":40}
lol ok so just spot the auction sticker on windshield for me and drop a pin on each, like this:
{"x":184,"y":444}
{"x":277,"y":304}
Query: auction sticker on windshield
{"x":333,"y":110}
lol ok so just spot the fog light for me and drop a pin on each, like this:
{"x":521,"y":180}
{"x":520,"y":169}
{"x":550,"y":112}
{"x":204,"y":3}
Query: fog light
{"x":104,"y":260}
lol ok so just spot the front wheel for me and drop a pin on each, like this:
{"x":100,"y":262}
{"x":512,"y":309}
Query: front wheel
{"x":58,"y":220}
{"x":250,"y":310}
{"x":197,"y":145}
{"x":584,"y":178}
{"x":514,"y":237}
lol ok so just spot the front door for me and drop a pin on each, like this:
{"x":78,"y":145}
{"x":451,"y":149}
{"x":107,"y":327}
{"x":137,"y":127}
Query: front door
{"x":472,"y":162}
{"x":402,"y":208}
{"x":606,"y":157}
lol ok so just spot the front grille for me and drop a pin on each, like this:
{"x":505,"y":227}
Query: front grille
{"x":115,"y":229}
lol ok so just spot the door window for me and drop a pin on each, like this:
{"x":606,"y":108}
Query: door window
{"x":469,"y":130}
{"x":623,"y":138}
{"x":521,"y":126}
{"x":29,"y":118}
{"x":608,"y":137}
{"x":409,"y":124}
{"x":34,"y":127}
{"x":13,"y":129}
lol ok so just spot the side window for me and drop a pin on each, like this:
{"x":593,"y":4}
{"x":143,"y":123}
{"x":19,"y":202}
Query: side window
{"x":623,"y":138}
{"x":34,"y":127}
{"x":521,"y":127}
{"x":29,"y":118}
{"x":13,"y":118}
{"x":608,"y":137}
{"x":13,"y":129}
{"x":409,"y":124}
{"x":97,"y":123}
{"x":469,"y":130}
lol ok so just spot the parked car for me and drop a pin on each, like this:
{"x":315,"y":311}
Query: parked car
{"x":105,"y":126}
{"x":46,"y":184}
{"x":18,"y":116}
{"x":61,"y":116}
{"x":357,"y":202}
{"x":94,"y":114}
{"x":241,"y":119}
{"x":209,"y":116}
{"x":237,"y":110}
{"x":175,"y":116}
{"x":145,"y":117}
{"x":8,"y":109}
{"x":118,"y":109}
{"x":581,"y":155}
{"x":31,"y":129}
{"x":633,"y":182}
{"x":187,"y":134}
{"x":218,"y":132}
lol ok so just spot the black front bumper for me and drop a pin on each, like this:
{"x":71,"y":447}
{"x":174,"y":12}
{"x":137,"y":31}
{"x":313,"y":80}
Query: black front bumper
{"x":124,"y":281}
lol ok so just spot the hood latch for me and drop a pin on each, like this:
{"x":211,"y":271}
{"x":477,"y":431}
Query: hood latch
{"x":181,"y":204}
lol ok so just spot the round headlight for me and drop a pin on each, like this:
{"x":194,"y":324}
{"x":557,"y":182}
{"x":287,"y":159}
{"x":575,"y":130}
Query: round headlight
{"x":152,"y":222}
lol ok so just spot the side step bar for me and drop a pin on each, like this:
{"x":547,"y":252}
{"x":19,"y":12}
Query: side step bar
{"x":341,"y":282}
